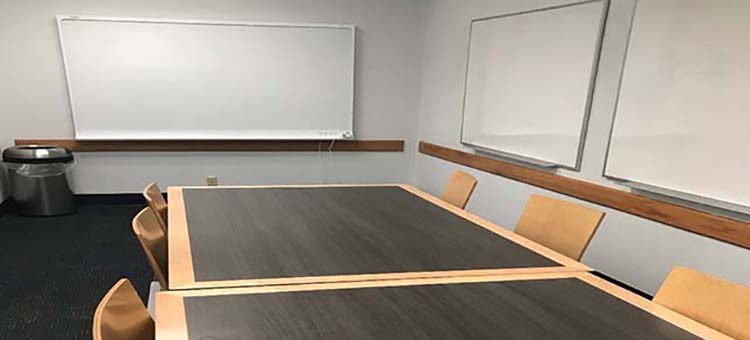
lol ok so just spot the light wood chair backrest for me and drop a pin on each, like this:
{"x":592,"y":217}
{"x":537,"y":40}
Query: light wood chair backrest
{"x":714,"y":302}
{"x":156,"y":202}
{"x":121,"y":315}
{"x":459,"y":189}
{"x":154,"y":243}
{"x":560,"y":225}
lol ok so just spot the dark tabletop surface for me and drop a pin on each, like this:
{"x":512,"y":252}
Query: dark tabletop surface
{"x":240,"y":233}
{"x":540,"y":309}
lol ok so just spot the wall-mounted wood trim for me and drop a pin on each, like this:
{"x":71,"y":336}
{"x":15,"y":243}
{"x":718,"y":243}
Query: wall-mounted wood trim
{"x":713,"y":226}
{"x":219,"y":145}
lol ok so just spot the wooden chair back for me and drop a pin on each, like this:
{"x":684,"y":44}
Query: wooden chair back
{"x":154,"y":243}
{"x":156,"y":202}
{"x":121,"y":315}
{"x":714,"y":302}
{"x":459,"y":189}
{"x":560,"y":225}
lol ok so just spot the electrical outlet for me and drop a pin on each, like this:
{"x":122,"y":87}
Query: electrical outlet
{"x":212,"y":181}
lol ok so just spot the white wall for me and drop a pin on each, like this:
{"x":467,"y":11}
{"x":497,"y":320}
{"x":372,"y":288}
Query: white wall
{"x":34,"y":103}
{"x":631,"y":249}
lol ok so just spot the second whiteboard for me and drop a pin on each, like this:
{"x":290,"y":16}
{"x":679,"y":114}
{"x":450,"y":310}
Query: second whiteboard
{"x":529,"y":81}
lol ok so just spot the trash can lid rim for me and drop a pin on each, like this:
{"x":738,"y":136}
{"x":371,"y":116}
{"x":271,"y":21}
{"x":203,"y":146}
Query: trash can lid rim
{"x":37,"y":154}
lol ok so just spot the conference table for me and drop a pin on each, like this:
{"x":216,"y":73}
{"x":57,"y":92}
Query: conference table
{"x":378,"y":262}
{"x":251,"y":236}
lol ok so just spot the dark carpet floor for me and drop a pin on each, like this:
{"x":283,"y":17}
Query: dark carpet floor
{"x":54,"y":270}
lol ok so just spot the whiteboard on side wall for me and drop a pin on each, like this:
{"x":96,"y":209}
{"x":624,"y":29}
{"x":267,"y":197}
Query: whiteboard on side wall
{"x":683,"y":115}
{"x":529,"y":81}
{"x":133,"y":79}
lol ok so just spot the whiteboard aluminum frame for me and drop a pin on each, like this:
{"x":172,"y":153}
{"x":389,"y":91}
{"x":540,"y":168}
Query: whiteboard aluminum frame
{"x":320,"y":135}
{"x":689,"y":197}
{"x":589,"y":95}
{"x":617,"y":101}
{"x":516,"y":158}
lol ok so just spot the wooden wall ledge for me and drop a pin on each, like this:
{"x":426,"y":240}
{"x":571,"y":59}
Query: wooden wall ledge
{"x":219,"y":145}
{"x":703,"y":223}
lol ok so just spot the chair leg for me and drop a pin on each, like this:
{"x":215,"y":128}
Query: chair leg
{"x":153,"y":289}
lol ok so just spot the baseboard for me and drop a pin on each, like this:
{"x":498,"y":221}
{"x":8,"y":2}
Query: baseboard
{"x":8,"y":205}
{"x":94,"y":199}
{"x":623,"y":285}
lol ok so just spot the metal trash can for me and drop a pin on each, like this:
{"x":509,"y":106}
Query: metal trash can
{"x":38,"y":179}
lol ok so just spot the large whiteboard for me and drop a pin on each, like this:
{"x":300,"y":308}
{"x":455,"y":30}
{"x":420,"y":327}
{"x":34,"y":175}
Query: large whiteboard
{"x":683,"y":116}
{"x":529,"y":81}
{"x":173,"y":79}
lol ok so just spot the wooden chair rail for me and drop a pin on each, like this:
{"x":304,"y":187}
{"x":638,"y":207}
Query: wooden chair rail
{"x":219,"y":145}
{"x":699,"y":222}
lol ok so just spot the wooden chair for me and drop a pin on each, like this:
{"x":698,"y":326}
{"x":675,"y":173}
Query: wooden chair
{"x":719,"y":304}
{"x":154,"y":243}
{"x":459,"y":189}
{"x":121,"y":315}
{"x":156,"y":202}
{"x":559,"y":225}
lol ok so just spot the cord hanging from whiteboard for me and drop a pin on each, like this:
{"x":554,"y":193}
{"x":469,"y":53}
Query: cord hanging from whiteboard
{"x":330,"y":154}
{"x":323,"y":179}
{"x":323,"y":166}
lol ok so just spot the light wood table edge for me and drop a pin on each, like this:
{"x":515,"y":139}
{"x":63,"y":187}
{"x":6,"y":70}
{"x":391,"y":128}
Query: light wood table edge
{"x":370,"y":277}
{"x":182,"y":276}
{"x":180,"y":261}
{"x":171,"y":320}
